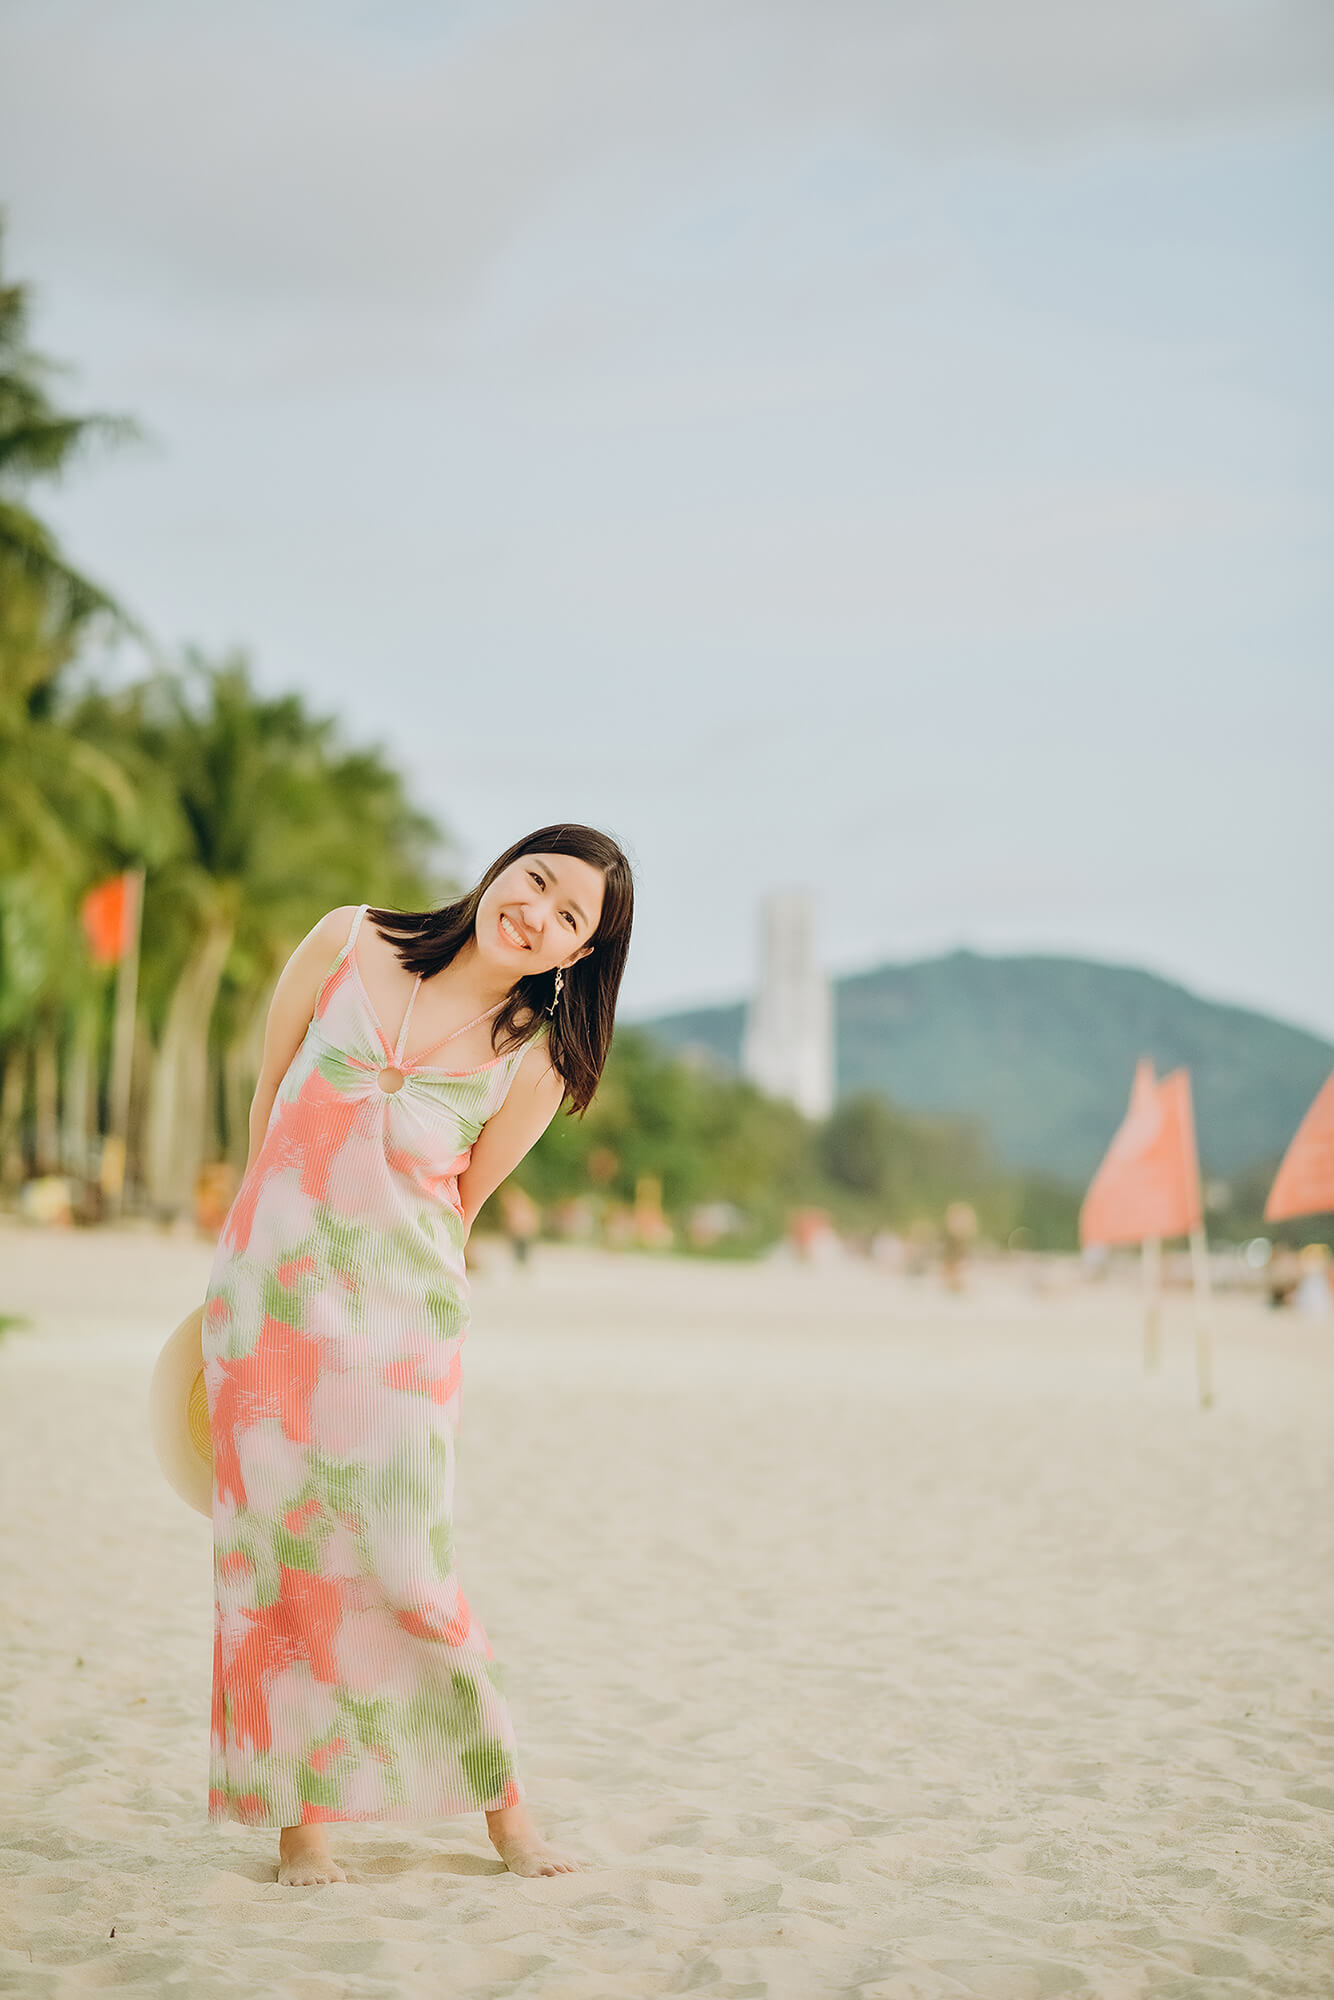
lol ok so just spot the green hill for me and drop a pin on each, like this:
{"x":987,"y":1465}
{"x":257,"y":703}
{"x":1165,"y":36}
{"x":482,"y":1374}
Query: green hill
{"x":1041,"y":1052}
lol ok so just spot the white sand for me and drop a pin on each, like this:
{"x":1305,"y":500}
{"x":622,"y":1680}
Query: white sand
{"x":865,"y":1644}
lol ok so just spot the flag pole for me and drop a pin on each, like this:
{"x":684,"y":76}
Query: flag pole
{"x":1199,"y":1268}
{"x":122,"y":1046}
{"x":1151,"y":1272}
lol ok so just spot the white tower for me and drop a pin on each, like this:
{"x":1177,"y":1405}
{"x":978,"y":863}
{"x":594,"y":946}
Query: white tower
{"x":788,"y":1049}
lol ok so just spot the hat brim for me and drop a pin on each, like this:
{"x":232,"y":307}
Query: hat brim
{"x":178,"y":1415}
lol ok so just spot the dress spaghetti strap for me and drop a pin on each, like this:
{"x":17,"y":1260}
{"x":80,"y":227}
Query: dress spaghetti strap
{"x":401,"y":1043}
{"x":350,"y":950}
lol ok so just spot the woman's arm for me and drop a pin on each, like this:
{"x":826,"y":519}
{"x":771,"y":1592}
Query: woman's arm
{"x":290,"y":1012}
{"x":533,"y":1101}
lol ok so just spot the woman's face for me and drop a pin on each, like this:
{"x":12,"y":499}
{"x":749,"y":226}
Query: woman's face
{"x":540,"y":913}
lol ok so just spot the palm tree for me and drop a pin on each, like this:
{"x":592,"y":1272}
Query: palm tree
{"x":39,"y":441}
{"x":273,"y":822}
{"x":52,"y":785}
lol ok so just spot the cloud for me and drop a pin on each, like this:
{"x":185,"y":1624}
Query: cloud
{"x":274,"y":154}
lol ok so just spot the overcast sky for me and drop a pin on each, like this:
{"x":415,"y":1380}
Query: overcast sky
{"x":884,"y":447}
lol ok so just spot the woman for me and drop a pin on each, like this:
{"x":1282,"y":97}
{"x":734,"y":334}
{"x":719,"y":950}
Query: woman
{"x":410,"y":1061}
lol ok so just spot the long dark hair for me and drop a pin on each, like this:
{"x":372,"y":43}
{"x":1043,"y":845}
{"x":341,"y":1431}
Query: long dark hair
{"x":580,"y":1033}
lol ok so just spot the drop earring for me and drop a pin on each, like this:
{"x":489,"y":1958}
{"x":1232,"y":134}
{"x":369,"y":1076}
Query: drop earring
{"x":560,"y":981}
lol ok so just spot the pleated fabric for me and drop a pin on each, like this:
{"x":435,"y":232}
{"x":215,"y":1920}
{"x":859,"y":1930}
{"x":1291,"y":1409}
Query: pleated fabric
{"x":351,"y":1679}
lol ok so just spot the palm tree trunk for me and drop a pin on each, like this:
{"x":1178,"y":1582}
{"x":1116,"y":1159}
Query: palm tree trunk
{"x":12,"y":1093}
{"x":46,"y":1098}
{"x":141,"y":1090}
{"x":178,"y":1120}
{"x":80,"y":1095}
{"x":240,"y":1068}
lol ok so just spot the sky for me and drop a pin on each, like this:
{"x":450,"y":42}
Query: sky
{"x":876,"y":446}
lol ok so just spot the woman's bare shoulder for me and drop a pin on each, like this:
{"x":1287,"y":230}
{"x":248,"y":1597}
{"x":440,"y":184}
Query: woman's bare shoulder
{"x":334,"y":925}
{"x":323,"y":941}
{"x":535,"y":1070}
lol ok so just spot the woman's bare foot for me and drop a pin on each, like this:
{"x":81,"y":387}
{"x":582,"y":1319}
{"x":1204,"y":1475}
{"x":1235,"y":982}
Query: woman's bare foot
{"x":521,"y":1847}
{"x":304,"y":1859}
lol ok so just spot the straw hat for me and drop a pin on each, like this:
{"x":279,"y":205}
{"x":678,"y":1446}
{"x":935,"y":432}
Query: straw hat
{"x":178,"y":1415}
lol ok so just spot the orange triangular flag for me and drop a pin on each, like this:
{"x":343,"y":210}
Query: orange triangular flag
{"x":1183,"y":1209}
{"x":107,"y":912}
{"x":1149,"y":1181}
{"x":1304,"y":1184}
{"x":1110,"y":1213}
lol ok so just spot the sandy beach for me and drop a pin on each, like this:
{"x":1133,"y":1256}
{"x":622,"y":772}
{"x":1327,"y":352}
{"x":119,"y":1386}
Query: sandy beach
{"x":862,"y":1642}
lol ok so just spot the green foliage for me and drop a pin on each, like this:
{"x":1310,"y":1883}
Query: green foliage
{"x":902,"y":1168}
{"x":708,"y":1138}
{"x":253,"y":814}
{"x":1047,"y":1211}
{"x":702,"y":1138}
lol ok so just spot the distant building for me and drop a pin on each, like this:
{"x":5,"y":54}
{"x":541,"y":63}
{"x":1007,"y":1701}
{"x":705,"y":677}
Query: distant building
{"x":788,"y":1046}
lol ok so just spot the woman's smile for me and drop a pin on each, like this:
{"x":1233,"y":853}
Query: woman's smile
{"x":510,"y":931}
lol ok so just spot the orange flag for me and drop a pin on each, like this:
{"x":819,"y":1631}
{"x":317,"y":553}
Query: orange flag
{"x":107,"y":911}
{"x":1304,"y":1184}
{"x":1149,"y":1181}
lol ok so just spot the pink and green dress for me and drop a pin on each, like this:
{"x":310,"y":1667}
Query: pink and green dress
{"x":351,"y":1680}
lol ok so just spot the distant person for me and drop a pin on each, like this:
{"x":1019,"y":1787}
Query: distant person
{"x":523,"y":1219}
{"x":960,"y":1230}
{"x":350,"y":1679}
{"x":810,"y":1232}
{"x":1312,"y":1294}
{"x":1283,"y":1275}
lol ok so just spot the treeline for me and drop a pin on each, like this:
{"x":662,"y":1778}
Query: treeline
{"x":250,"y":818}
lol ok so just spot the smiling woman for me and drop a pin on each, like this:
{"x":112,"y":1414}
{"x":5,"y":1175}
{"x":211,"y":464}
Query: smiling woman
{"x":351,"y":1680}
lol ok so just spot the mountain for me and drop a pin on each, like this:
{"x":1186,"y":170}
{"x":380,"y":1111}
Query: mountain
{"x":1040,"y":1051}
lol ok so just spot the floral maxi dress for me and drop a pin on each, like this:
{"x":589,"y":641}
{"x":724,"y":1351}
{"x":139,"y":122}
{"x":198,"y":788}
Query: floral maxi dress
{"x":351,"y":1681}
